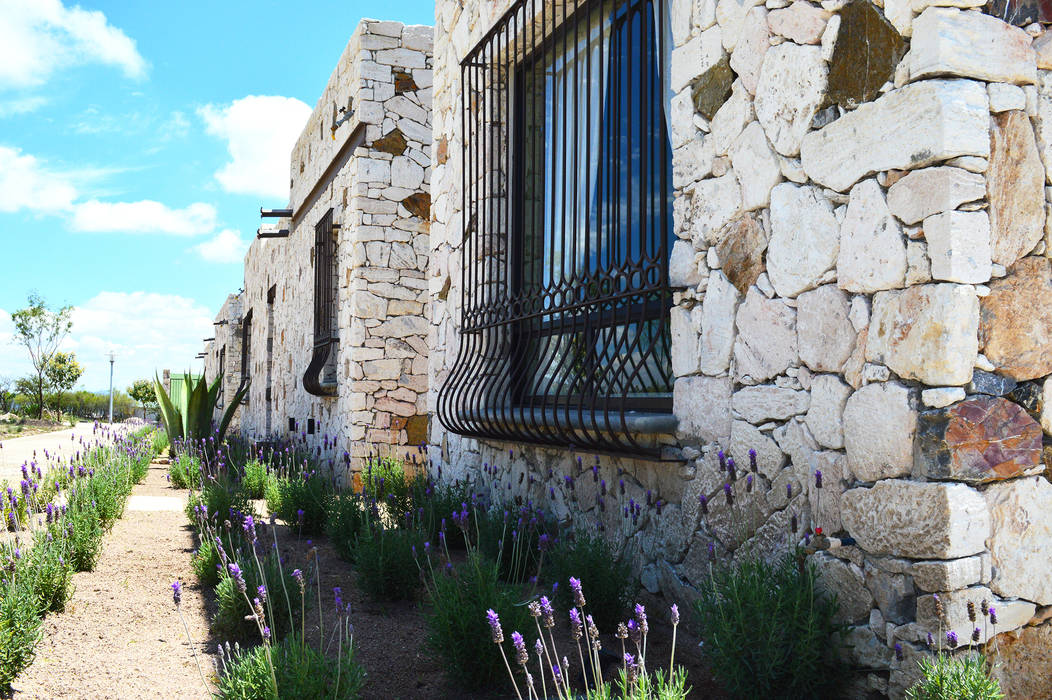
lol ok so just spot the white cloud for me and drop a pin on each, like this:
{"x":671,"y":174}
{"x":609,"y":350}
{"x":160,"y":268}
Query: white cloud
{"x":146,"y":216}
{"x":21,"y":105}
{"x":260,"y":131}
{"x":40,"y":37}
{"x":27,"y":184}
{"x":226,"y":247}
{"x":148,"y":332}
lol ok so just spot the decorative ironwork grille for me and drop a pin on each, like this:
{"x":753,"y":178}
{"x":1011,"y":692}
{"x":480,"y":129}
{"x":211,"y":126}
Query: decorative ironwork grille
{"x":222,"y":379}
{"x":567,"y":206}
{"x":320,"y":377}
{"x":246,"y":352}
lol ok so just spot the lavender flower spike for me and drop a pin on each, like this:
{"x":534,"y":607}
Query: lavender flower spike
{"x":494,"y":626}
{"x":177,"y":592}
{"x":578,"y":594}
{"x":675,"y":614}
{"x":521,"y":655}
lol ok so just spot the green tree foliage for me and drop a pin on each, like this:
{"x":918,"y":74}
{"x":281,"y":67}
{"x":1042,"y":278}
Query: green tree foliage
{"x":7,"y":394}
{"x":61,"y":373}
{"x":142,"y":391}
{"x":41,"y":330}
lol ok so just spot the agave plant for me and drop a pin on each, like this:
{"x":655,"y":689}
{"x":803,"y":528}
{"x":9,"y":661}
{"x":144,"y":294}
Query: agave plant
{"x":195,"y":424}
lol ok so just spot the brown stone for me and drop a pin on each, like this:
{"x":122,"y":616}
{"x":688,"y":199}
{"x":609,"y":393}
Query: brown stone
{"x":416,"y":430}
{"x":393,"y":142}
{"x":1015,"y":320}
{"x":419,"y":205}
{"x":712,"y":88}
{"x":740,"y":251}
{"x":1020,"y":12}
{"x":867,"y":50}
{"x":404,"y":82}
{"x":1023,"y":663}
{"x":978,"y":440}
{"x":442,"y":151}
{"x":1015,"y":183}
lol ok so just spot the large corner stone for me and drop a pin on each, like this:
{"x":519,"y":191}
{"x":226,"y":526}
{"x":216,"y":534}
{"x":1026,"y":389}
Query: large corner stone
{"x":718,"y":312}
{"x":740,"y":251}
{"x":947,"y":41}
{"x":824,"y":331}
{"x":978,"y":440}
{"x":847,"y":582}
{"x":879,"y":427}
{"x":1024,"y":662}
{"x":918,"y":125}
{"x":927,"y":333}
{"x":1015,"y":181}
{"x":872,"y":252}
{"x":959,"y":246}
{"x":1021,"y":538}
{"x":928,"y":191}
{"x":1016,"y":322}
{"x":805,"y":238}
{"x":703,"y":407}
{"x":917,"y":520}
{"x":766,"y":342}
{"x":789,"y":92}
{"x":864,"y":57}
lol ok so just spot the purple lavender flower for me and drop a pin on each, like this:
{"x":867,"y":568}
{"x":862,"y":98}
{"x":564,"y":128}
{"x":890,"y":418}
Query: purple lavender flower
{"x":578,"y":594}
{"x":547,"y":612}
{"x":704,"y":503}
{"x":951,"y":639}
{"x":729,"y":494}
{"x":641,"y":618}
{"x":993,"y":615}
{"x":975,"y":635}
{"x":675,"y":614}
{"x":723,"y":460}
{"x":494,"y":626}
{"x":538,"y":647}
{"x":521,"y":655}
{"x":748,"y":484}
{"x":930,"y":641}
{"x":818,"y":478}
{"x":712,"y":553}
{"x":898,"y":651}
{"x":576,"y":625}
{"x":261,"y":591}
{"x":752,"y":459}
{"x":266,"y":634}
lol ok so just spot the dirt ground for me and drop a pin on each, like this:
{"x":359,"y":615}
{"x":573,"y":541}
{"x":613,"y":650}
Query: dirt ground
{"x":121,"y":637}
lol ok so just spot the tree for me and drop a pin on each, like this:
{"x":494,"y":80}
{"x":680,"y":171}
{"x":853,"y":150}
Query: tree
{"x":7,"y":396}
{"x":142,"y":391}
{"x":41,"y":330}
{"x":61,"y":373}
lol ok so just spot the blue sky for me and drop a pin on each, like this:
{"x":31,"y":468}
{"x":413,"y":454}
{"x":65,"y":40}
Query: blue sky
{"x":137,"y":143}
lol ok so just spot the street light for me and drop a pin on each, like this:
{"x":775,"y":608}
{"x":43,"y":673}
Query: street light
{"x":113,"y":356}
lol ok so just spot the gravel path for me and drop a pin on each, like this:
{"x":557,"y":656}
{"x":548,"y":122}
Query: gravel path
{"x":120,"y":637}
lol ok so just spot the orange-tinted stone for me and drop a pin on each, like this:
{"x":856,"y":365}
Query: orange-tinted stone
{"x":1015,"y":322}
{"x":978,"y":440}
{"x":404,"y":82}
{"x":419,"y":205}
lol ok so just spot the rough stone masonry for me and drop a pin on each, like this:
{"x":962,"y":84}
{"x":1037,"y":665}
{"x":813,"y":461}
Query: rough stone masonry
{"x":864,"y":289}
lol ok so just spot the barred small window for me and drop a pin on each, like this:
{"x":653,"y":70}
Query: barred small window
{"x":567,"y":205}
{"x":246,"y":352}
{"x":320,"y":377}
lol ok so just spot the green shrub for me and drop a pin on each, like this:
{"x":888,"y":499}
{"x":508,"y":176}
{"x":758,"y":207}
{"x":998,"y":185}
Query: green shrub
{"x":84,"y":532}
{"x":767,"y":633}
{"x":255,"y":480}
{"x":961,"y":677}
{"x":346,"y":519}
{"x":19,"y":630}
{"x":435,"y":503}
{"x":184,"y":471}
{"x":205,"y":562}
{"x":300,"y":672}
{"x":301,"y":502}
{"x":457,"y":624}
{"x":385,"y":480}
{"x":386,"y":565}
{"x":606,"y":578}
{"x":46,"y":569}
{"x":221,"y":495}
{"x":229,"y":622}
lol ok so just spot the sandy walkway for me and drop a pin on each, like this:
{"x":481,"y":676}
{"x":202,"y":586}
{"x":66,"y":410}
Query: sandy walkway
{"x":120,"y":637}
{"x":16,"y":451}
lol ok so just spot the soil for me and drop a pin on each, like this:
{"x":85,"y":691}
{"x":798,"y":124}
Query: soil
{"x":121,"y":636}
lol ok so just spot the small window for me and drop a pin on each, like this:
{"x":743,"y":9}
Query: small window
{"x":246,"y":352}
{"x":222,"y":377}
{"x":566,"y":295}
{"x":320,"y":377}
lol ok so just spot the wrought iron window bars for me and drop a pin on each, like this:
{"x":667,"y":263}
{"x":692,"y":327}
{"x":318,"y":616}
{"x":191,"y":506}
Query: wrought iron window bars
{"x":320,"y":377}
{"x":567,"y":213}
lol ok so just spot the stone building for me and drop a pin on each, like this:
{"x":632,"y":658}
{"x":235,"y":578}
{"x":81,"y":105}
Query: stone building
{"x":662,"y":231}
{"x":223,"y":354}
{"x":332,"y":322}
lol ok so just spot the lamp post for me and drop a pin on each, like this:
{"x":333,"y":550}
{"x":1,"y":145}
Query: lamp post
{"x":113,"y":356}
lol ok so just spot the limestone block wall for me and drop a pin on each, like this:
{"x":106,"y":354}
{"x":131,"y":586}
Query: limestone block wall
{"x":863,"y":293}
{"x":223,"y":355}
{"x":373,"y":171}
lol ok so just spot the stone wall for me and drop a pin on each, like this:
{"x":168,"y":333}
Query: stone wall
{"x":223,"y":355}
{"x":373,"y":171}
{"x":863,"y":291}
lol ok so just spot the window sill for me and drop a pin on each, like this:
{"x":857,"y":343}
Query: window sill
{"x":536,"y":418}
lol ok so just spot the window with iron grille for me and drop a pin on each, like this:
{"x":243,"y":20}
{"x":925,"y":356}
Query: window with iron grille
{"x":320,"y":377}
{"x":246,"y":352}
{"x":567,"y":207}
{"x":222,"y":379}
